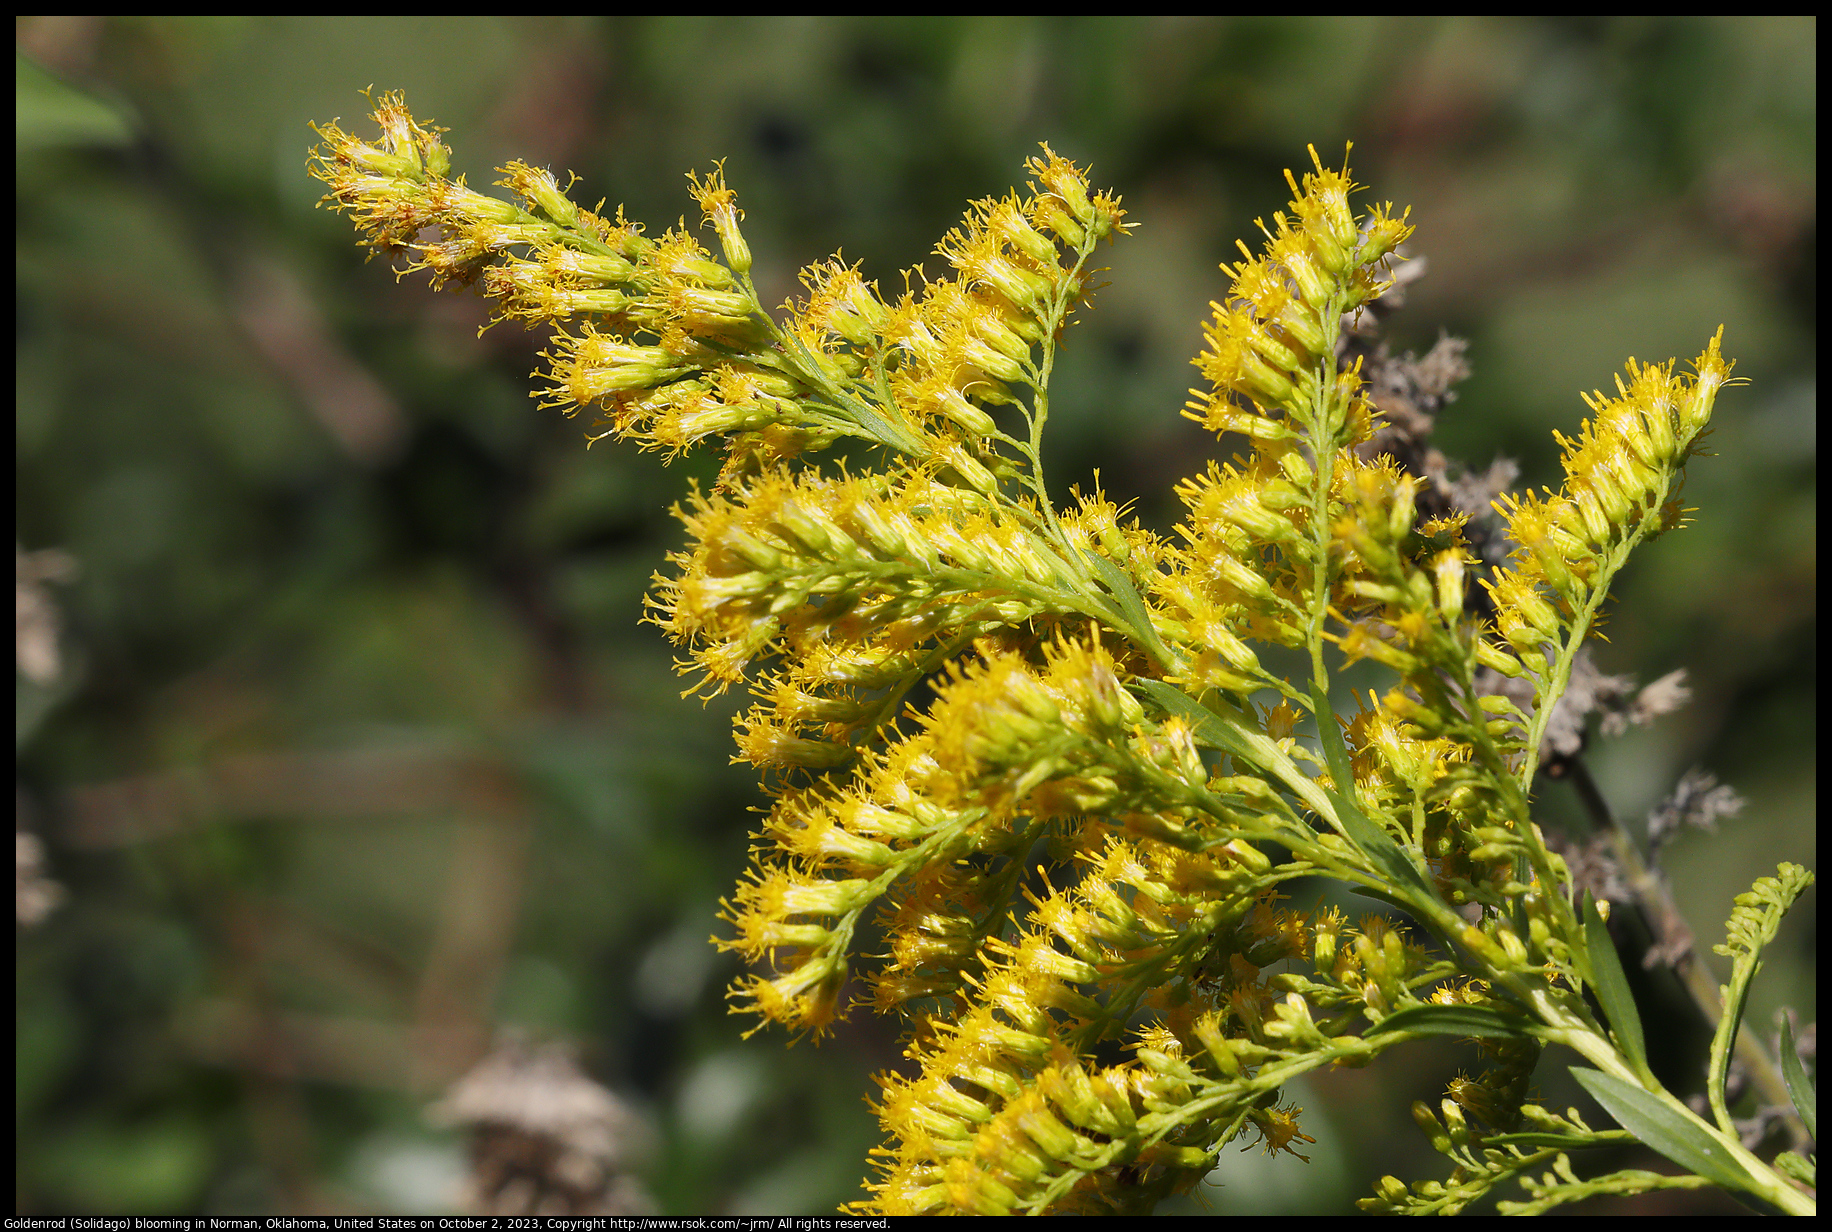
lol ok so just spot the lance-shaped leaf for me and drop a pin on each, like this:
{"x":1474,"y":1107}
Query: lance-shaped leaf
{"x":1131,"y":607}
{"x":1610,"y":983}
{"x":1463,"y":1021}
{"x":1680,"y":1138}
{"x":1375,"y":843}
{"x":1799,"y":1086}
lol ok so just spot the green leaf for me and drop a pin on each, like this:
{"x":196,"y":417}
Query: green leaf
{"x":1380,"y":848}
{"x":1458,"y":1020}
{"x":1382,"y":851}
{"x":1329,"y":735}
{"x":1131,"y":606}
{"x":1610,"y":983}
{"x":1678,"y":1137}
{"x":1799,"y":1086}
{"x":1392,"y":900}
{"x":1375,"y":843}
{"x":1205,"y":723}
{"x":50,"y":113}
{"x":876,"y":425}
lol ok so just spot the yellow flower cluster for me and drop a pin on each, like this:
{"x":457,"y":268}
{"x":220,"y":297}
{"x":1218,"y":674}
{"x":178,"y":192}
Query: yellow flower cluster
{"x":1006,"y":1114}
{"x":954,"y":679}
{"x":1621,"y":475}
{"x":1247,"y":571}
{"x":852,"y":573}
{"x":671,"y":345}
{"x":1006,"y":747}
{"x":1280,"y":315}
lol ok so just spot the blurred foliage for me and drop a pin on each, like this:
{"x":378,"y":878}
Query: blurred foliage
{"x":357,"y":751}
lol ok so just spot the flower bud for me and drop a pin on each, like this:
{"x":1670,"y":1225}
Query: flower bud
{"x":1448,"y":570}
{"x":1511,"y":945}
{"x":1433,"y":1128}
{"x":737,"y":251}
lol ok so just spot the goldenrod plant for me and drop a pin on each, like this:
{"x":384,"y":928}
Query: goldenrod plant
{"x":1042,"y":779}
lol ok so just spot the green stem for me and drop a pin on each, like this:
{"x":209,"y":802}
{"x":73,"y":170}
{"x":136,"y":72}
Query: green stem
{"x":1051,"y":321}
{"x":1667,"y":926}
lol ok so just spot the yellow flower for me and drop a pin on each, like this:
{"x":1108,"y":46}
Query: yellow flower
{"x":1278,"y":1127}
{"x":1068,"y":763}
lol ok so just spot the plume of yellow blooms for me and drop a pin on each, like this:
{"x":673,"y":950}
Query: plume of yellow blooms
{"x":1094,"y":687}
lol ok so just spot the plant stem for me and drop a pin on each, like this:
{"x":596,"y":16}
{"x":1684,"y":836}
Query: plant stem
{"x":1667,"y":927}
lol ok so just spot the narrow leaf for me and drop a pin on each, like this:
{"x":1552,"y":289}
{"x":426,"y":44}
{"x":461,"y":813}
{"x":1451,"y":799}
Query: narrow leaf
{"x":1375,"y":843}
{"x":1206,"y":725}
{"x":1212,"y":729}
{"x":1680,"y":1139}
{"x":876,"y":425}
{"x":1610,"y":983}
{"x":1380,"y":848}
{"x":1131,"y":606}
{"x":1329,"y":735}
{"x":1383,"y":896}
{"x":1799,"y":1086}
{"x":1458,"y":1020}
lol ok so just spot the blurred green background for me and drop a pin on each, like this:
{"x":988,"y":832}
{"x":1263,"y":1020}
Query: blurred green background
{"x":355,"y":751}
